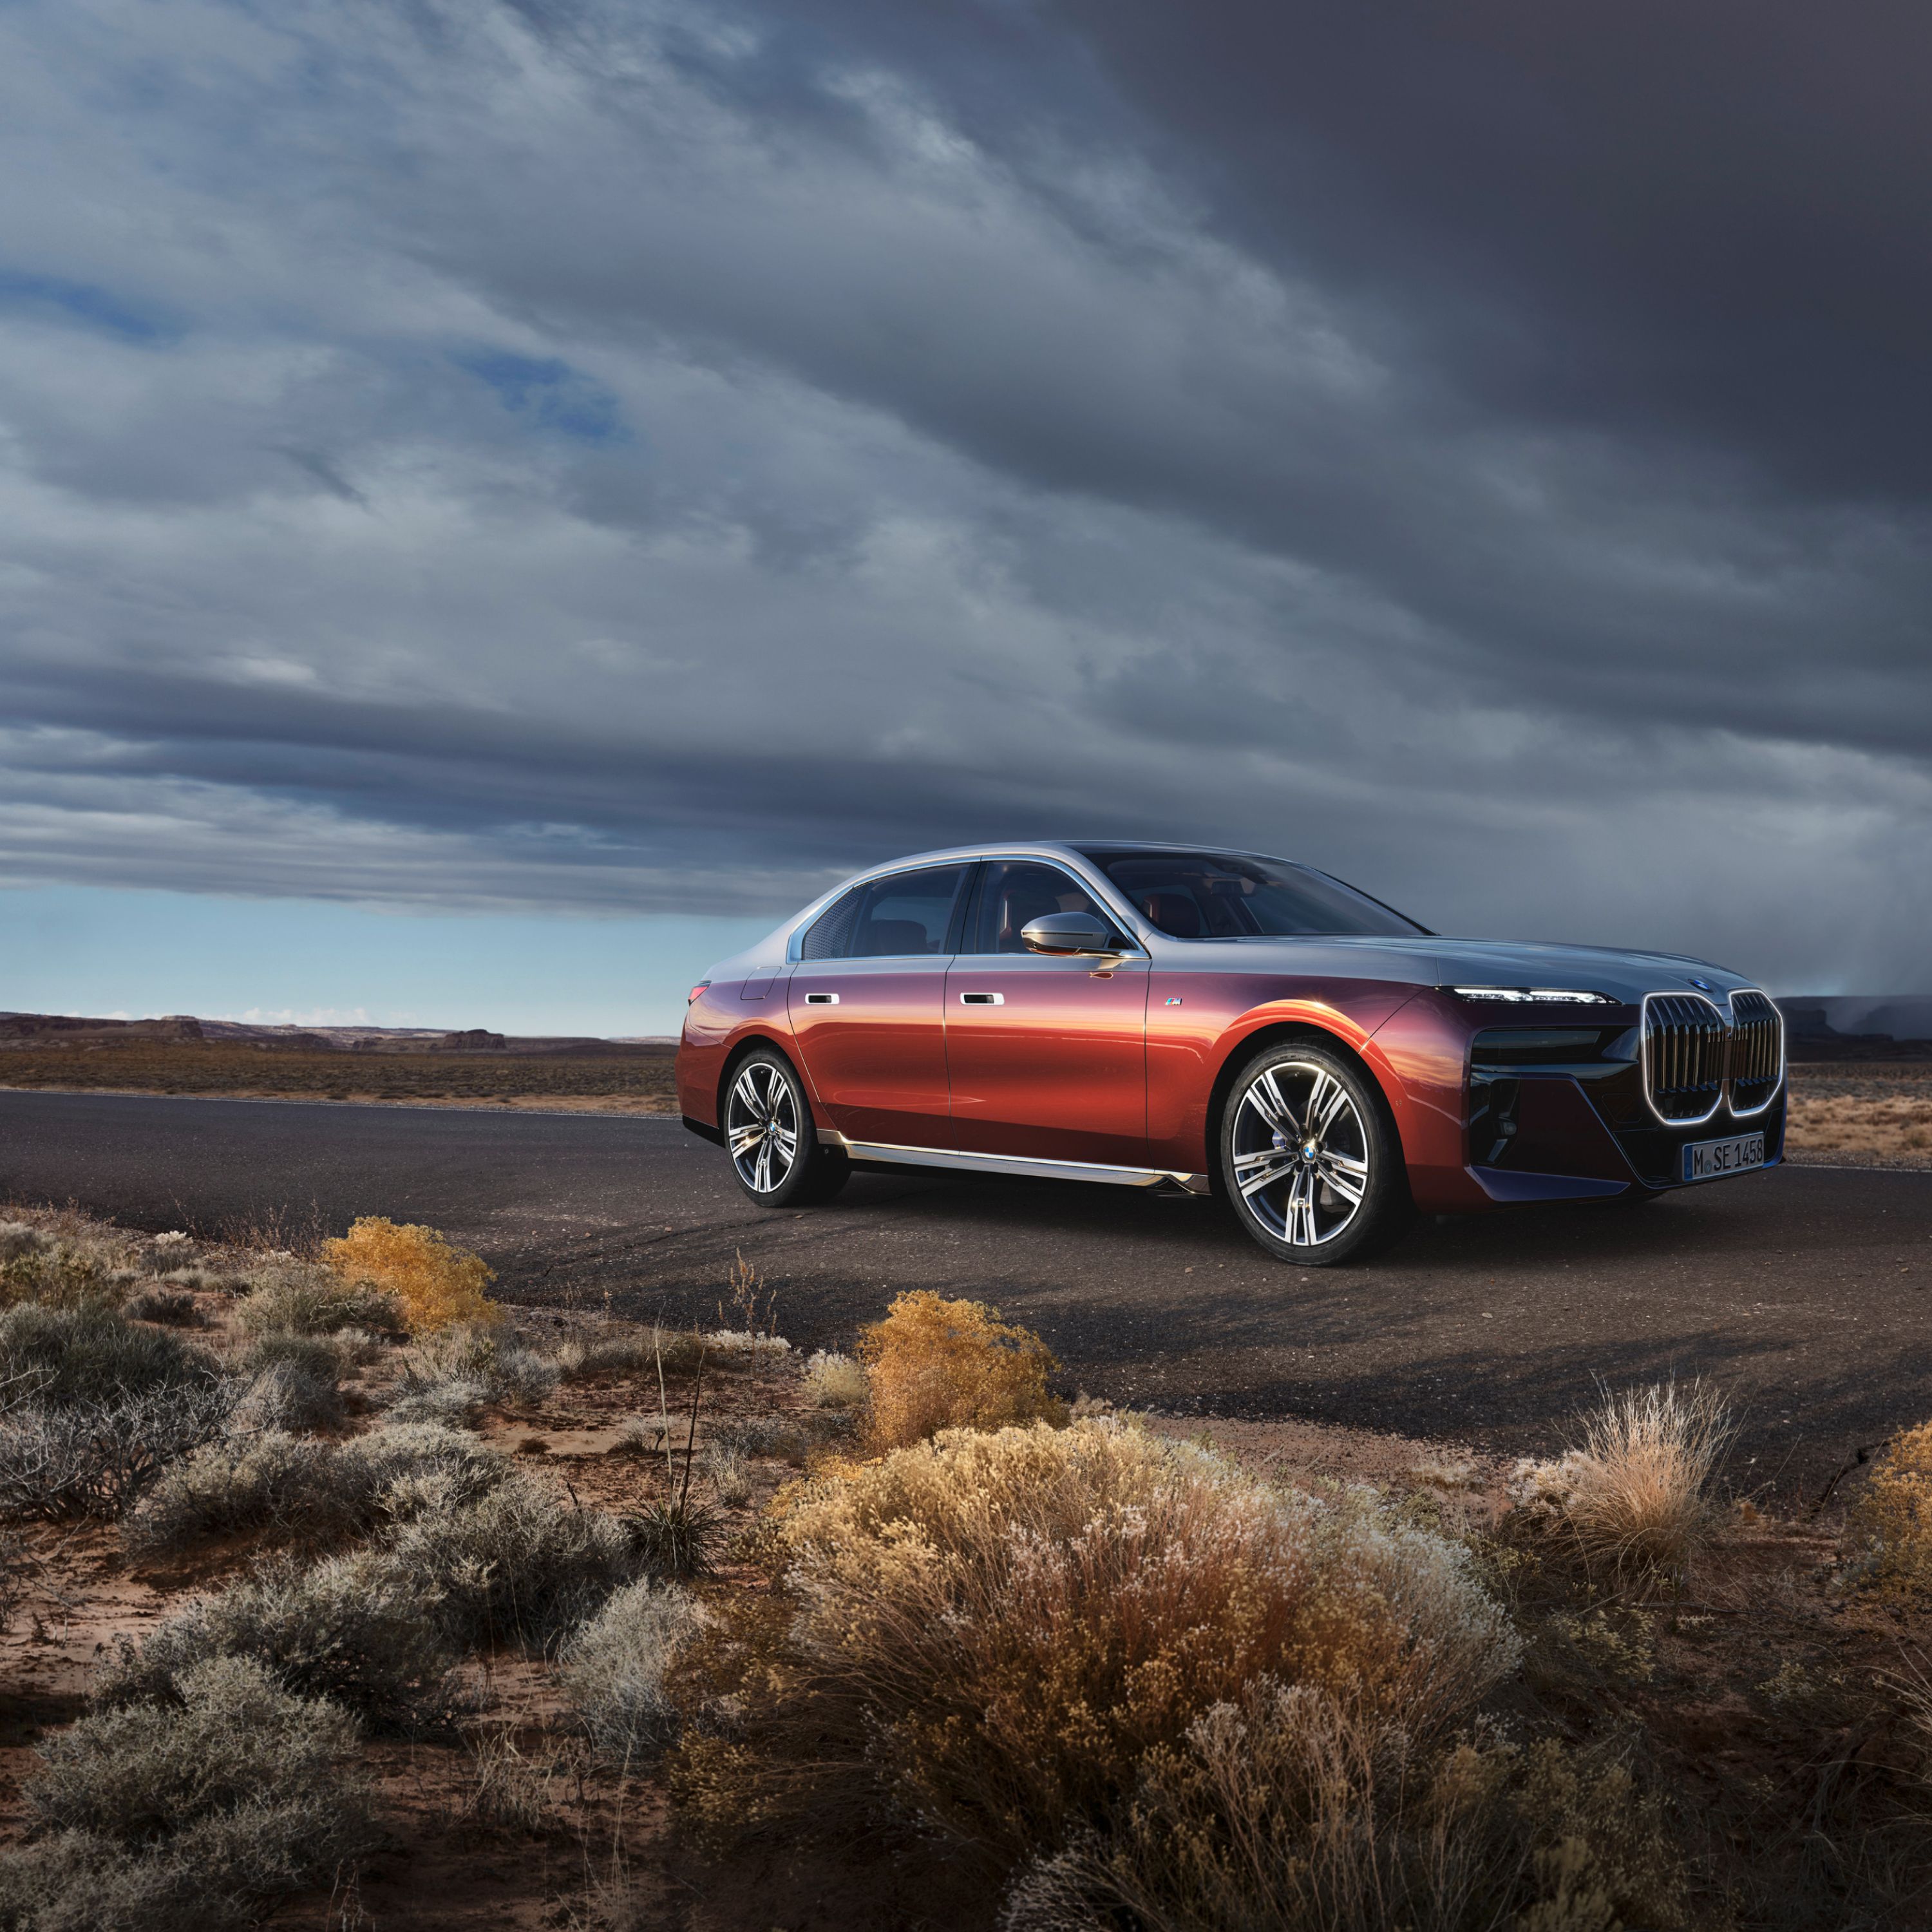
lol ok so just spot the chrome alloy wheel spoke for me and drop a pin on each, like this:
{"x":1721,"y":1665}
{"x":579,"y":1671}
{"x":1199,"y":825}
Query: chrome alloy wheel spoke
{"x":1262,"y":1168}
{"x":1299,"y":1160}
{"x":761,"y":1127}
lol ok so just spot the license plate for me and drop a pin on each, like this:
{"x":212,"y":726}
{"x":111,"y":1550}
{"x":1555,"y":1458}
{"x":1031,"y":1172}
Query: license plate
{"x":1706,"y":1160}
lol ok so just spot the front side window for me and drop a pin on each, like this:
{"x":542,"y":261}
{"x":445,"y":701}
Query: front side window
{"x":1014,"y":892}
{"x":1214,"y":896}
{"x":907,"y":915}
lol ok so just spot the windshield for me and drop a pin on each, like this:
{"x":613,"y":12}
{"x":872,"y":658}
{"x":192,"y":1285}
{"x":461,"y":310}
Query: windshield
{"x":1212,"y":896}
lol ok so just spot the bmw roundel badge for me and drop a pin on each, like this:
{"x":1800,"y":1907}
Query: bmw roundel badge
{"x":1702,"y":985}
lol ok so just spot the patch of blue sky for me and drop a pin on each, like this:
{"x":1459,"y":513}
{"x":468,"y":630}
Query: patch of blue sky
{"x":83,"y":302}
{"x":550,"y":393}
{"x":73,"y":949}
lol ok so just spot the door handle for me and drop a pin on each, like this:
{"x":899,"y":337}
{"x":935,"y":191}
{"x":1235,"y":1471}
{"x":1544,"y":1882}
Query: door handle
{"x":821,"y":999}
{"x":983,"y":999}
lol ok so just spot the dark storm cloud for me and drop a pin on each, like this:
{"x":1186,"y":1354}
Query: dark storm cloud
{"x":606,"y":455}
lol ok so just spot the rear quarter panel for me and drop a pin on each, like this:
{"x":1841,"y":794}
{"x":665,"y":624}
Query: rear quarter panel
{"x":727,"y":1012}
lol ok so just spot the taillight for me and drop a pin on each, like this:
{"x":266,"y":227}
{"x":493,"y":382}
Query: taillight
{"x":695,"y":990}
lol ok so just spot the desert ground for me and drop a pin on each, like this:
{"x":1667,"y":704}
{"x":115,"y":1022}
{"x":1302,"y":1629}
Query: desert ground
{"x":439,"y":1613}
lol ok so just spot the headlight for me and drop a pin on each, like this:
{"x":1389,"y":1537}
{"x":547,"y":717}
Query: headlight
{"x":1533,"y":996}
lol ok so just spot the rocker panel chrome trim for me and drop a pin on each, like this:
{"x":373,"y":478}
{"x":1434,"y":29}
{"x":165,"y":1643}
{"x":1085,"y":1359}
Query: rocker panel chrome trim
{"x":1013,"y":1164}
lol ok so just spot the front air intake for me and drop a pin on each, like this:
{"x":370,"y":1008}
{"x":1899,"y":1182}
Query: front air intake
{"x":1686,"y":1045}
{"x":1757,"y":1053}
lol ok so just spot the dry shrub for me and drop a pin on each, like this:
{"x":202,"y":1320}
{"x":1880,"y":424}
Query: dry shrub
{"x":92,"y":1354}
{"x":833,"y":1380}
{"x":518,"y":1565}
{"x":171,"y":1307}
{"x":93,"y":1457}
{"x":354,"y":1629}
{"x":188,"y":1815}
{"x":996,"y":1629}
{"x":294,"y":1490}
{"x":305,"y":1298}
{"x":1893,"y":1519}
{"x":435,"y":1284}
{"x":62,"y":1271}
{"x":462,"y":1368}
{"x":934,"y":1364}
{"x":1633,"y":1495}
{"x":613,"y":1670}
{"x":294,"y":1383}
{"x":1285,"y":1809}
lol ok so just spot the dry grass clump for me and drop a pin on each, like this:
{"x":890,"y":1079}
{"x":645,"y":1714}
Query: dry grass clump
{"x":355,"y":1629}
{"x":629,"y":1351}
{"x":1282,"y":1809}
{"x":1893,"y":1519}
{"x":934,"y":1364}
{"x":294,"y":1488}
{"x":996,"y":1630}
{"x":305,"y":1298}
{"x":435,"y":1284}
{"x":188,"y":1814}
{"x":833,"y":1380}
{"x":613,"y":1670}
{"x":1633,"y":1495}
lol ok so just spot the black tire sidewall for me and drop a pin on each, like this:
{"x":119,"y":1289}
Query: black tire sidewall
{"x":819,"y":1172}
{"x":1386,"y":1211}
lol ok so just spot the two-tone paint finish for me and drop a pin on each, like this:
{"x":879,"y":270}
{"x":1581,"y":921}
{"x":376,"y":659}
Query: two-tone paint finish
{"x":1118,"y":1068}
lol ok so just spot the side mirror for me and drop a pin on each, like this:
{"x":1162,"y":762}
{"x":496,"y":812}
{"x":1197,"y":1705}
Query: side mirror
{"x":1068,"y":934}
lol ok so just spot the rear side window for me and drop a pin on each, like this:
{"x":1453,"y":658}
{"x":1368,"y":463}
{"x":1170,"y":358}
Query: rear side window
{"x":831,"y":932}
{"x":906,"y":916}
{"x":1014,"y":892}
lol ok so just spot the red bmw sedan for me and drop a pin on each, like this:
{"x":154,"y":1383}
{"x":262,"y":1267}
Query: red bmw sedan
{"x":1222,"y":1022}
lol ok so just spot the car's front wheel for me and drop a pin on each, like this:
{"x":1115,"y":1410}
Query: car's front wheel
{"x":772,"y":1139}
{"x":1310,"y":1159}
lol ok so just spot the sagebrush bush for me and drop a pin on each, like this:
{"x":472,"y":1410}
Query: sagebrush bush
{"x":1284,"y":1809}
{"x":833,"y":1380}
{"x":1633,"y":1495}
{"x":93,"y":1457}
{"x":355,"y":1629}
{"x":520,"y":1565}
{"x":315,"y":1495}
{"x":613,"y":1670}
{"x":308,"y":1298}
{"x":467,"y":1356}
{"x":192,"y":1813}
{"x":435,"y":1284}
{"x":1892,"y":1520}
{"x":61,"y":1272}
{"x":90,"y":1354}
{"x":294,"y":1383}
{"x":994,"y":1630}
{"x":934,"y":1364}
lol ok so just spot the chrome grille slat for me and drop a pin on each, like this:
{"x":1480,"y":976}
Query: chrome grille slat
{"x":1694,"y":1058}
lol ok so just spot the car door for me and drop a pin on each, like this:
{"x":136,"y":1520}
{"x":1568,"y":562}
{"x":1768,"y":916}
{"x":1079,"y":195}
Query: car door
{"x":1048,"y":1056}
{"x":866,"y":1002}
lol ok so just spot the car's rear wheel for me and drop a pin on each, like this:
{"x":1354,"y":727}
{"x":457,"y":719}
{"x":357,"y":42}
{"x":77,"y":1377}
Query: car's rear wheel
{"x":1310,"y":1162}
{"x":772,"y":1139}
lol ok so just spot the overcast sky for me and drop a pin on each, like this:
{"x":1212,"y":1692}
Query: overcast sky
{"x":570,"y":462}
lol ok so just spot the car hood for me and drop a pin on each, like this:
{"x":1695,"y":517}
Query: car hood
{"x":1626,"y":976}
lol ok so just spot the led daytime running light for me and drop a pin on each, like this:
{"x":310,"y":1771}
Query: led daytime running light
{"x":1529,"y":996}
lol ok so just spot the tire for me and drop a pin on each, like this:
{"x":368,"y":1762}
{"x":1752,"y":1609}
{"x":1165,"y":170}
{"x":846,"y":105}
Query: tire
{"x":1338,"y":1193}
{"x":772,"y":1137}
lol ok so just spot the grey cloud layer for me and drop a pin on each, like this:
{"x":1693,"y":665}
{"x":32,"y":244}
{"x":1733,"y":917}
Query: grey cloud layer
{"x":645,"y":456}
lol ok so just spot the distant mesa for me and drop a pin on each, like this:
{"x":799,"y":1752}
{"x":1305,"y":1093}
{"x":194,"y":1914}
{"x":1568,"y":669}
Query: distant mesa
{"x":19,"y":1032}
{"x":472,"y":1039}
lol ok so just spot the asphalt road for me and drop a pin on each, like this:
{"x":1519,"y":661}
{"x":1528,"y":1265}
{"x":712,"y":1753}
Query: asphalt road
{"x":1807,"y":1292}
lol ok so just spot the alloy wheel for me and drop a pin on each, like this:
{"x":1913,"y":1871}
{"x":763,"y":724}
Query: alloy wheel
{"x":761,"y":1127}
{"x":1300,"y":1154}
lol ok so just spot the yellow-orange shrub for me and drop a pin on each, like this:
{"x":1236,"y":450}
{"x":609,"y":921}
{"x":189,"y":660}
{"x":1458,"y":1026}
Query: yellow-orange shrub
{"x":1895,"y":1516}
{"x":934,"y":1364}
{"x":436,"y":1284}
